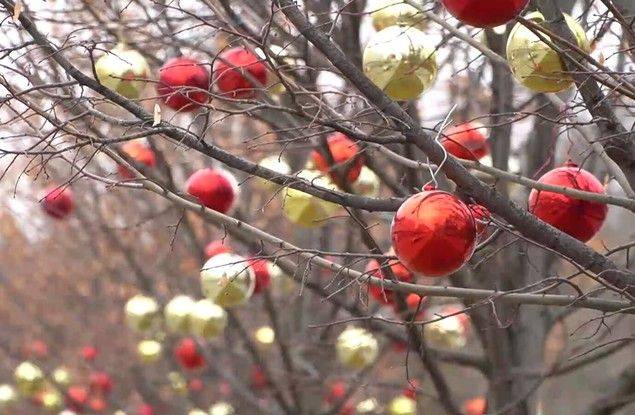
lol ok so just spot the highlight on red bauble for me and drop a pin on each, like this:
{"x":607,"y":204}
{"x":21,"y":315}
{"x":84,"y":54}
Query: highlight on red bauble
{"x":475,"y":406}
{"x":100,"y":382}
{"x":343,"y":150}
{"x":140,"y":153}
{"x":485,"y":13}
{"x":58,"y":201}
{"x":433,"y":233}
{"x":579,"y":218}
{"x":258,"y":378}
{"x":233,"y":69}
{"x":214,"y":188}
{"x":217,"y":247}
{"x":188,"y":355}
{"x":183,"y":84}
{"x":89,"y":353}
{"x":262,"y":272}
{"x":482,"y":217}
{"x":466,"y":141}
{"x":375,"y":269}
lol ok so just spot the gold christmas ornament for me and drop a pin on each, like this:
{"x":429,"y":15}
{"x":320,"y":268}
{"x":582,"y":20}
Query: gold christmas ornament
{"x":178,"y":383}
{"x":385,"y":13}
{"x":367,"y":184}
{"x":402,"y":405}
{"x":275,"y":163}
{"x":227,"y":279}
{"x":357,"y":348}
{"x":307,"y":210}
{"x":52,"y":400}
{"x":62,"y":377}
{"x":177,"y":314}
{"x":367,"y":407}
{"x":29,"y":379}
{"x":141,"y":312}
{"x":8,"y":396}
{"x":401,"y":61}
{"x":449,"y":332}
{"x":208,"y":319}
{"x":149,"y":351}
{"x":265,"y":336}
{"x":123,"y":70}
{"x":534,"y":64}
{"x":222,"y":408}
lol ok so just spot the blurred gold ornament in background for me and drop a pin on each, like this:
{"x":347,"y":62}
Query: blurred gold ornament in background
{"x":178,"y":383}
{"x":368,"y":407}
{"x":29,"y":379}
{"x":534,"y":63}
{"x":227,"y":279}
{"x":62,"y":376}
{"x":401,"y":61}
{"x":197,"y":411}
{"x":141,"y":312}
{"x":275,"y":163}
{"x":307,"y":210}
{"x":208,"y":319}
{"x":123,"y":70}
{"x":357,"y":348}
{"x":52,"y":400}
{"x":449,"y":332}
{"x":8,"y":396}
{"x":177,"y":314}
{"x":265,"y":336}
{"x":385,"y":13}
{"x":149,"y":351}
{"x":402,"y":405}
{"x":222,"y":408}
{"x":367,"y":184}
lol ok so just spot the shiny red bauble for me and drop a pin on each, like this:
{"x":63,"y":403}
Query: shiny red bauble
{"x":465,"y":141}
{"x":231,"y":68}
{"x":100,"y":382}
{"x":433,"y":233}
{"x":579,"y":218}
{"x":89,"y":353}
{"x":217,"y":247}
{"x":337,"y":392}
{"x":382,"y":294}
{"x":188,"y":355}
{"x":76,"y":398}
{"x":140,"y":153}
{"x":195,"y":385}
{"x":415,"y":301}
{"x":262,"y":271}
{"x":214,"y":188}
{"x":58,"y":201}
{"x":475,"y":406}
{"x":343,"y":149}
{"x":258,"y":378}
{"x":485,"y":13}
{"x":184,"y":84}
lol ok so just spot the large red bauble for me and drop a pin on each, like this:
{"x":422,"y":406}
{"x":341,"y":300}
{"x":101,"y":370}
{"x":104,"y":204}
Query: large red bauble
{"x":475,"y":406}
{"x":89,"y":353}
{"x":58,"y":202}
{"x":262,"y":271}
{"x":229,"y":73}
{"x":465,"y":141}
{"x":433,"y":233}
{"x":100,"y":382}
{"x":217,"y":247}
{"x":579,"y":218}
{"x":342,"y":149}
{"x":183,"y":84}
{"x":139,"y":152}
{"x":188,"y":355}
{"x":214,"y":188}
{"x":485,"y":13}
{"x":382,"y":294}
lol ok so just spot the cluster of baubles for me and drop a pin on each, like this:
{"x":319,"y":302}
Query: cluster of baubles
{"x":403,"y":404}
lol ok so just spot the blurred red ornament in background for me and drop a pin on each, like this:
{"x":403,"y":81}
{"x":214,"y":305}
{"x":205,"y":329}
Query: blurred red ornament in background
{"x":188,"y":355}
{"x":413,"y":388}
{"x":183,"y":84}
{"x":485,"y":13}
{"x":76,"y":397}
{"x":230,"y":69}
{"x":475,"y":406}
{"x":37,"y":349}
{"x":58,"y":201}
{"x":89,"y":353}
{"x":382,"y":294}
{"x":258,"y":378}
{"x":97,"y":404}
{"x":343,"y":149}
{"x":100,"y":382}
{"x":415,"y":301}
{"x":262,"y":271}
{"x":579,"y":218}
{"x":217,"y":247}
{"x":466,"y":141}
{"x":195,"y":385}
{"x":145,"y":409}
{"x":433,"y":233}
{"x":336,"y":392}
{"x":139,"y":152}
{"x":214,"y":188}
{"x":224,"y":389}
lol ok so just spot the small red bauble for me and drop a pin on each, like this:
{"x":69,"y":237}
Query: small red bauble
{"x":225,"y":389}
{"x":485,"y":13}
{"x":336,"y":393}
{"x":89,"y":353}
{"x":188,"y":355}
{"x":482,"y":217}
{"x":433,"y":233}
{"x":412,"y":389}
{"x":58,"y":202}
{"x":258,"y":378}
{"x":214,"y":188}
{"x":342,"y":149}
{"x":475,"y":406}
{"x":76,"y":397}
{"x":37,"y":349}
{"x":145,"y":409}
{"x":382,"y":294}
{"x":195,"y":385}
{"x":230,"y":69}
{"x":183,"y":84}
{"x":465,"y":141}
{"x":100,"y":382}
{"x":262,"y":271}
{"x":217,"y":247}
{"x":139,"y":152}
{"x":97,"y":404}
{"x":579,"y":218}
{"x":415,"y":301}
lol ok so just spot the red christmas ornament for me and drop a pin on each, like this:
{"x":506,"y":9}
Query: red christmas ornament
{"x":433,"y":233}
{"x":258,"y":378}
{"x":97,"y":404}
{"x":347,"y":409}
{"x":475,"y":406}
{"x":579,"y":218}
{"x":37,"y":349}
{"x":262,"y":272}
{"x":214,"y":188}
{"x":336,"y":392}
{"x":145,"y":409}
{"x":230,"y":69}
{"x":399,"y":346}
{"x":139,"y":152}
{"x":482,"y":217}
{"x":342,"y":149}
{"x":187,"y":354}
{"x":382,"y":294}
{"x":183,"y":84}
{"x":100,"y":382}
{"x":413,"y":388}
{"x":89,"y":353}
{"x":465,"y":141}
{"x":415,"y":301}
{"x":76,"y":398}
{"x":195,"y":385}
{"x":217,"y":247}
{"x":485,"y":13}
{"x":58,"y":202}
{"x":225,"y":389}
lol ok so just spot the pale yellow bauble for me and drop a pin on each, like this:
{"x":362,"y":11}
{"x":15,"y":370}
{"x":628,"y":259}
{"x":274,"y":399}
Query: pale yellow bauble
{"x":275,"y":163}
{"x":52,"y":400}
{"x":357,"y":348}
{"x":29,"y":378}
{"x":221,"y":408}
{"x":400,"y":61}
{"x":402,"y":405}
{"x":123,"y":70}
{"x":208,"y":319}
{"x":534,"y":64}
{"x":368,"y":406}
{"x":385,"y":13}
{"x":149,"y":351}
{"x":264,"y":336}
{"x":177,"y":314}
{"x":141,"y":312}
{"x":367,"y":184}
{"x":178,"y":383}
{"x":447,"y":333}
{"x":197,"y":412}
{"x":307,"y":210}
{"x":62,"y":377}
{"x":227,"y":279}
{"x":8,"y":396}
